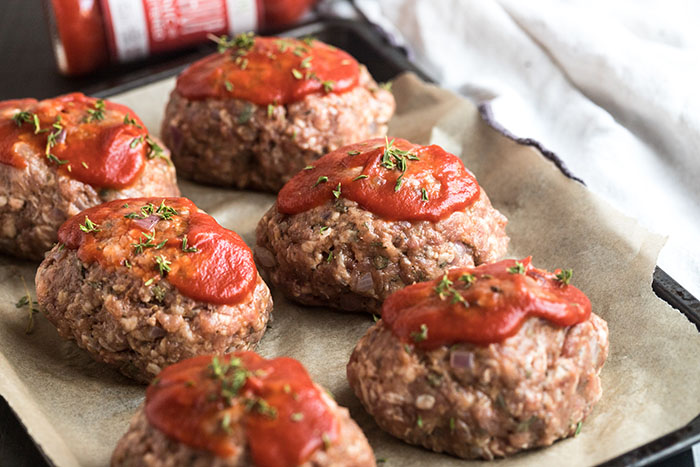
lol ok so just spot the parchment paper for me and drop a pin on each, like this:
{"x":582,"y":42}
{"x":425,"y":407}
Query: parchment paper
{"x":77,"y":409}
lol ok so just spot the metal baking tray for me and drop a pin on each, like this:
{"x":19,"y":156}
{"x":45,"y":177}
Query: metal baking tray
{"x":385,"y":61}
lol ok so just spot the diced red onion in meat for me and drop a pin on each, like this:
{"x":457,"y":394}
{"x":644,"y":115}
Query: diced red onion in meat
{"x":61,"y":136}
{"x":264,"y":257}
{"x":461,"y":359}
{"x":175,"y":138}
{"x":148,"y":222}
{"x":157,"y":332}
{"x":365,"y":283}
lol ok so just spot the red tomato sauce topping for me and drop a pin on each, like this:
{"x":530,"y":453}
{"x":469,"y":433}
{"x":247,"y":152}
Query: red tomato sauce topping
{"x":269,"y":70}
{"x":165,"y":239}
{"x":395,"y":179}
{"x":213,"y":403}
{"x":483,"y":305}
{"x":91,"y":140}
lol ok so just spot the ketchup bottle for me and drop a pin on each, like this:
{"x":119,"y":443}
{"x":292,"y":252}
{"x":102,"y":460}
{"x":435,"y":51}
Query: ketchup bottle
{"x":87,"y":34}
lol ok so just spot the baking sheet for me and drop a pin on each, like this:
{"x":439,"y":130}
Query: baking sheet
{"x":76,"y":409}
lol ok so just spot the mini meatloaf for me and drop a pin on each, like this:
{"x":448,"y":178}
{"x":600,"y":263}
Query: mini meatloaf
{"x":143,"y":283}
{"x":240,"y":410}
{"x":483,"y":363}
{"x":373,"y":217}
{"x":63,"y":155}
{"x":263,"y":108}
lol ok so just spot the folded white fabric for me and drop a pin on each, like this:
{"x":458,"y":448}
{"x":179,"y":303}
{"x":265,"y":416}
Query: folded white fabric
{"x":612,"y":87}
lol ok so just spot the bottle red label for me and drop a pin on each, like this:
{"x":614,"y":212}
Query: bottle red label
{"x":138,"y":28}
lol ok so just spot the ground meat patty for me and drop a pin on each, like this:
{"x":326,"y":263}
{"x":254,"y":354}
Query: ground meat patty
{"x":37,"y":199}
{"x":482,"y":401}
{"x":135,"y":323}
{"x":343,"y":256}
{"x":145,"y":445}
{"x":236,"y":143}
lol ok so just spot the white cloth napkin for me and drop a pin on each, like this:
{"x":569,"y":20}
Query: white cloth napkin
{"x":610,"y":86}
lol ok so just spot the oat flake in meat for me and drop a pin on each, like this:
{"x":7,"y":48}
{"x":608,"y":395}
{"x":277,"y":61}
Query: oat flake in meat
{"x":62,"y":155}
{"x":483,"y":363}
{"x":143,"y":283}
{"x":263,"y":108}
{"x":241,"y":410}
{"x":373,"y":217}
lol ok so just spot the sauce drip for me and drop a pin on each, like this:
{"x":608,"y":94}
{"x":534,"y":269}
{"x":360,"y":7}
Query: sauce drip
{"x":206,"y":402}
{"x":489,"y":307}
{"x":147,"y":236}
{"x":270,"y":71}
{"x":434,"y":184}
{"x":87,"y":139}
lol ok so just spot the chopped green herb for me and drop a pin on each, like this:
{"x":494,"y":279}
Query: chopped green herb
{"x":326,"y":440}
{"x":306,"y":63}
{"x":353,"y":153}
{"x":228,"y":85}
{"x":380,"y":262}
{"x":578,"y":428}
{"x":149,"y":281}
{"x":467,"y":278}
{"x":321,"y":179}
{"x":564,"y":276}
{"x":131,"y":121}
{"x":136,"y":141}
{"x":407,"y":348}
{"x":443,"y":286}
{"x":55,"y":159}
{"x":163,"y":265}
{"x":154,"y":150}
{"x":37,"y":127}
{"x":336,"y":192}
{"x":386,"y":86}
{"x":161,"y":244}
{"x":323,"y":228}
{"x":308,"y":40}
{"x":31,"y":305}
{"x":242,"y":42}
{"x":166,"y":212}
{"x":420,"y":336}
{"x":84,"y":164}
{"x":246,"y":114}
{"x":226,"y":423}
{"x":97,"y":113}
{"x":185,"y":248}
{"x":297,"y":417}
{"x":143,"y":245}
{"x":424,"y":195}
{"x":158,"y":293}
{"x":452,"y":424}
{"x":328,"y":85}
{"x":359,"y":177}
{"x":127,"y":263}
{"x":330,"y":257}
{"x":270,"y":110}
{"x":457,"y":297}
{"x":519,"y":268}
{"x":21,"y":117}
{"x":297,"y":74}
{"x":308,"y":167}
{"x":419,"y":422}
{"x":375,"y":317}
{"x":394,"y":158}
{"x":89,"y":226}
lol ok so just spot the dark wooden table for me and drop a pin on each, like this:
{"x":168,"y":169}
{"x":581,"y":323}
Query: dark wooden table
{"x":27,"y":69}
